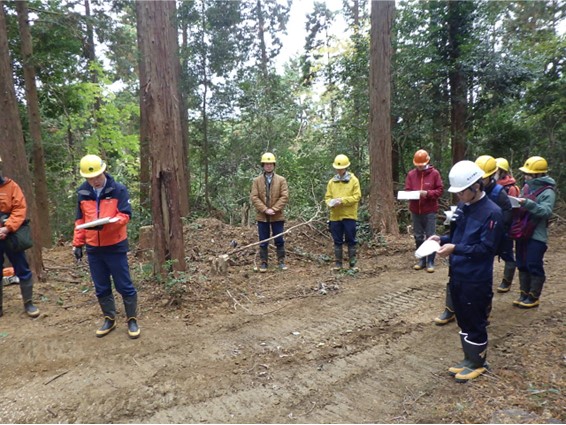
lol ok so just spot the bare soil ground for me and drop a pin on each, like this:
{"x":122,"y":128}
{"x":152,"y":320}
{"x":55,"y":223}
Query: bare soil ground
{"x":306,"y":345}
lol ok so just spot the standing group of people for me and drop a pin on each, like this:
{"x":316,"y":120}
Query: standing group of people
{"x":483,"y":226}
{"x":100,"y":196}
{"x":270,"y":195}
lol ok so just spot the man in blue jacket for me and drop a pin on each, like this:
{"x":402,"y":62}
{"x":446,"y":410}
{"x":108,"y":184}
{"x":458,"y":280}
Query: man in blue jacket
{"x":476,"y":231}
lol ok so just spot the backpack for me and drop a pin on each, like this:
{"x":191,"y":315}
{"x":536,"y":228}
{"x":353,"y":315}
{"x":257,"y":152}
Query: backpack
{"x":524,"y":223}
{"x":494,"y":194}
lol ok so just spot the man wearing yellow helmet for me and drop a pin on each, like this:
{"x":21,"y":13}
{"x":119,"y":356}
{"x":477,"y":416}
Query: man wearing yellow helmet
{"x":538,"y":198}
{"x":101,"y":197}
{"x":343,"y":194}
{"x":269,"y":196}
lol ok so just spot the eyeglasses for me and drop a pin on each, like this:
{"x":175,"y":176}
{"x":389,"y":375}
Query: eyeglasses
{"x":461,"y":193}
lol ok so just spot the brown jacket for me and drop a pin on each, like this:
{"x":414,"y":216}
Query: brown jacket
{"x":277,"y":199}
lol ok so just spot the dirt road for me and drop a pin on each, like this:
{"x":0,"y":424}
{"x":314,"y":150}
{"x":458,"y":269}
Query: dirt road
{"x":302,"y":346}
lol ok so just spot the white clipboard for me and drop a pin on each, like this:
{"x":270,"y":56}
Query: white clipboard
{"x":98,"y":222}
{"x":514,"y":202}
{"x":408,"y":194}
{"x":428,"y":247}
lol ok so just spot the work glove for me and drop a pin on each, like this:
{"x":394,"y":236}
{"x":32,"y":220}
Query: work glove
{"x":78,"y":253}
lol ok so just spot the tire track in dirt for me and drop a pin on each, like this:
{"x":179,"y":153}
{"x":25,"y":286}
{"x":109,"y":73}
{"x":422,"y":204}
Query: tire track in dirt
{"x":380,"y":354}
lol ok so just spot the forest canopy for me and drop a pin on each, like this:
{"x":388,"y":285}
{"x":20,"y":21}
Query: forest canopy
{"x":237,"y":104}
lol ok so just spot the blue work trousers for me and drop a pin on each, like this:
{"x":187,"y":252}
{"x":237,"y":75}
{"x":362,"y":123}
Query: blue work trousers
{"x":18,"y":260}
{"x":471,"y":302}
{"x":115,"y":265}
{"x":530,"y":255}
{"x":266,"y":229}
{"x":506,"y":249}
{"x":344,"y":231}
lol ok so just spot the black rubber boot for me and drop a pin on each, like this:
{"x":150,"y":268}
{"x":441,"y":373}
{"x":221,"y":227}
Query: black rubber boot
{"x":476,"y":355}
{"x":26,"y":288}
{"x":525,"y":287}
{"x":464,"y":363}
{"x":338,"y":257}
{"x":131,"y":307}
{"x":281,"y":257}
{"x":532,"y":300}
{"x":352,"y":258}
{"x":108,"y":308}
{"x":448,"y":314}
{"x":263,"y":259}
{"x":508,"y":274}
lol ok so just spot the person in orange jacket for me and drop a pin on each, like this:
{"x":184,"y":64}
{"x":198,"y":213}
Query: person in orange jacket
{"x":100,"y":196}
{"x":13,"y":208}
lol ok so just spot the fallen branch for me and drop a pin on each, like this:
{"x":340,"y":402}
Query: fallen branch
{"x":275,"y":236}
{"x":55,"y":377}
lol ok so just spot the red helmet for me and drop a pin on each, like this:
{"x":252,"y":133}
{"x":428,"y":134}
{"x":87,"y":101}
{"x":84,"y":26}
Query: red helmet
{"x":421,"y":157}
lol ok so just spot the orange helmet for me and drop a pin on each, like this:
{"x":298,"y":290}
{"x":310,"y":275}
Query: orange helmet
{"x":421,"y":157}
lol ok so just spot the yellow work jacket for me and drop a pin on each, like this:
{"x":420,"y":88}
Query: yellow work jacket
{"x":350,"y":194}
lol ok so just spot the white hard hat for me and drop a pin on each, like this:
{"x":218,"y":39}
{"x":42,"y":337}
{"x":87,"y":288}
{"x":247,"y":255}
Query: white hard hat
{"x":462,"y":175}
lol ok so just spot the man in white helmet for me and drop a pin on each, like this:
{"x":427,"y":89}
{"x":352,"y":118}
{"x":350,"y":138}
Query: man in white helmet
{"x":471,"y":245}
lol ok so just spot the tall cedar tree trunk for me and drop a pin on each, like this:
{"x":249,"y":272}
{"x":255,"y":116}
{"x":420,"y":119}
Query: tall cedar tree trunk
{"x":458,"y":88}
{"x":39,"y":176}
{"x":12,"y":145}
{"x":383,"y":216}
{"x":90,"y":55}
{"x":159,"y":96}
{"x":204,"y":112}
{"x":261,"y":36}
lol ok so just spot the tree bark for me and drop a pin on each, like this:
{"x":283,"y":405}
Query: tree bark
{"x":457,"y":78}
{"x":383,"y":217}
{"x":12,"y":145}
{"x":38,"y":160}
{"x":159,"y":96}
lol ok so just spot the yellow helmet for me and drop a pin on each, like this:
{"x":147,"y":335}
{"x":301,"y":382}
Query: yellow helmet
{"x":92,"y":166}
{"x":268,"y":158}
{"x":535,"y":165}
{"x":502,"y":163}
{"x":487,"y":164}
{"x":341,"y":162}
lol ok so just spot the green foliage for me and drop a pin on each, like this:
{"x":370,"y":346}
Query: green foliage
{"x":239,"y":107}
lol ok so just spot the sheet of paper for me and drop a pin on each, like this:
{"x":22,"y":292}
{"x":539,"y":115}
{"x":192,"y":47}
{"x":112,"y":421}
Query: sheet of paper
{"x":98,"y":222}
{"x":332,"y":202}
{"x":514,"y":202}
{"x":408,"y":194}
{"x":427,"y":248}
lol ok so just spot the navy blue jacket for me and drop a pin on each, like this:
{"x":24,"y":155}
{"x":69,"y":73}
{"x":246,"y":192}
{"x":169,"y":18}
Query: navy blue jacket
{"x":476,"y":232}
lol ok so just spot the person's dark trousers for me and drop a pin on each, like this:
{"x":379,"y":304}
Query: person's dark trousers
{"x":267,"y":229}
{"x":471,"y":301}
{"x":22,"y":270}
{"x":530,"y":257}
{"x":344,"y":231}
{"x":104,"y":266}
{"x":424,"y":226}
